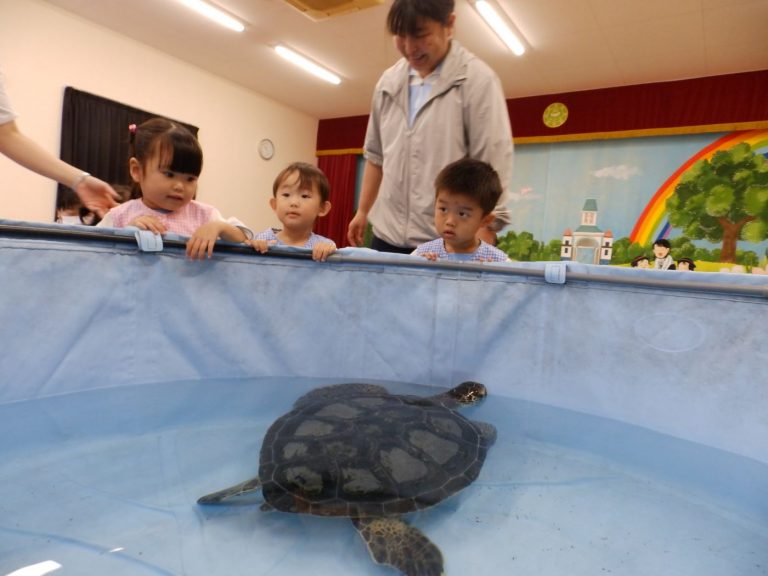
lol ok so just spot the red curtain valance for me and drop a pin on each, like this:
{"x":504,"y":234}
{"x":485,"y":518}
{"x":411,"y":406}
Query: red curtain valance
{"x":729,"y":102}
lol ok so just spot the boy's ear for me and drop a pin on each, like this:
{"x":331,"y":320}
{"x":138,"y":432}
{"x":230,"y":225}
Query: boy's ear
{"x":134,"y":168}
{"x":324,"y":209}
{"x":273,"y":203}
{"x":487,"y":219}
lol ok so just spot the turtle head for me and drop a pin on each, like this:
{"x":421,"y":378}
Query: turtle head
{"x":468,"y":393}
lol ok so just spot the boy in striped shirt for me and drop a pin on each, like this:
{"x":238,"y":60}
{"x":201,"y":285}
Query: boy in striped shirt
{"x":466,"y":192}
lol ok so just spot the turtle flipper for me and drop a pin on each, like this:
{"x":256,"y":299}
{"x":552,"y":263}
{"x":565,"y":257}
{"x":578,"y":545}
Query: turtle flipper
{"x":236,"y":490}
{"x":392,"y":541}
{"x":487,"y":432}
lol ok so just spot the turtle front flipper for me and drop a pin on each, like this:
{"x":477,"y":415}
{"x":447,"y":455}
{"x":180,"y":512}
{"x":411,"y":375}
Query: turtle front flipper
{"x":236,"y":490}
{"x":392,"y":541}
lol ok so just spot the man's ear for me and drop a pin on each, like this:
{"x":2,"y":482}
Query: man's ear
{"x":450,"y":23}
{"x":324,"y":209}
{"x":134,"y":168}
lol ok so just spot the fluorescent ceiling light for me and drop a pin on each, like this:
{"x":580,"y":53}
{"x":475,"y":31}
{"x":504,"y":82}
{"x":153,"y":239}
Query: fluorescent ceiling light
{"x":307,"y":65}
{"x":495,"y":21}
{"x":38,"y":569}
{"x":214,"y":14}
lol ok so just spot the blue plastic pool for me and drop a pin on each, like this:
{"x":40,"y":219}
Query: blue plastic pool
{"x":630,"y":407}
{"x":105,"y":482}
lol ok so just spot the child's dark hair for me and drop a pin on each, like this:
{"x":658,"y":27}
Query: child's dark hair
{"x":310,"y":177}
{"x":473,"y":178}
{"x":691,"y":263}
{"x":176,"y":148}
{"x":663,"y":242}
{"x":405,"y":16}
{"x":69,"y":201}
{"x":637,"y":259}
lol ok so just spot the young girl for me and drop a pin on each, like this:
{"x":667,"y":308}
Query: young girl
{"x":165,"y":164}
{"x":299,"y":196}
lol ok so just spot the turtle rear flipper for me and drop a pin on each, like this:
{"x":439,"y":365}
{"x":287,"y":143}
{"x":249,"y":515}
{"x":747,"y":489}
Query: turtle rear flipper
{"x":487,"y":432}
{"x":243,"y":488}
{"x":391,"y":541}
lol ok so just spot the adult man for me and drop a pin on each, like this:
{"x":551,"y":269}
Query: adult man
{"x":437,"y":104}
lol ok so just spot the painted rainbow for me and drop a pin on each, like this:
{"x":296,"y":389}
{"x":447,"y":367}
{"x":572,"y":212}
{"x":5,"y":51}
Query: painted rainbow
{"x":653,"y":222}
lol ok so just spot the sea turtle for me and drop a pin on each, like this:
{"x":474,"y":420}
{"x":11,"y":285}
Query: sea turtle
{"x":357,"y":451}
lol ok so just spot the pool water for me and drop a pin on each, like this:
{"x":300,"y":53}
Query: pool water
{"x":105,"y":482}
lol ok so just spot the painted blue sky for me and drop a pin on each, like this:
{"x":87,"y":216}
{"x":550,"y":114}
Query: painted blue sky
{"x":550,"y":182}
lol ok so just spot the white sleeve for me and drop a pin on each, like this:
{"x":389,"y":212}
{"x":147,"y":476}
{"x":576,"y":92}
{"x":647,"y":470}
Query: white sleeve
{"x":7,"y":113}
{"x":107,"y":221}
{"x":490,"y":134}
{"x":234,"y":222}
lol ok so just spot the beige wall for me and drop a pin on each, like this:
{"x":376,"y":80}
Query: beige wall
{"x":43,"y":49}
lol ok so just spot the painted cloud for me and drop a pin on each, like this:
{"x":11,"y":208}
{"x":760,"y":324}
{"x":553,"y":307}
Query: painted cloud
{"x":620,"y":172}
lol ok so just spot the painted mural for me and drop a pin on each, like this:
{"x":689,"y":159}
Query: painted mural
{"x":706,"y":194}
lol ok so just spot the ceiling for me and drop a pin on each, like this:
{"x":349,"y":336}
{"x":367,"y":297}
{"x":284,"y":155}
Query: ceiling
{"x":572,"y":44}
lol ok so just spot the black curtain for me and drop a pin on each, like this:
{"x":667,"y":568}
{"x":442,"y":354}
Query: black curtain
{"x":95,"y":138}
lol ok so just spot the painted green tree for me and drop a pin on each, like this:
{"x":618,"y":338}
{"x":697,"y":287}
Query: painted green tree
{"x":624,"y":250}
{"x":724,"y":199}
{"x":525,"y":248}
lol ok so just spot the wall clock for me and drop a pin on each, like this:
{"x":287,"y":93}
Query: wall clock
{"x":266,"y":149}
{"x":555,"y":115}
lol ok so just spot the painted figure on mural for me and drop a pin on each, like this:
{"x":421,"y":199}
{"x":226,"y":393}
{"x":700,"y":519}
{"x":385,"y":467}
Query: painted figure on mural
{"x":663,"y":260}
{"x":686,"y":264}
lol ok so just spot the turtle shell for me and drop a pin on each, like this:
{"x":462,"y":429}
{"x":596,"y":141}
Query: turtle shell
{"x":359,"y":451}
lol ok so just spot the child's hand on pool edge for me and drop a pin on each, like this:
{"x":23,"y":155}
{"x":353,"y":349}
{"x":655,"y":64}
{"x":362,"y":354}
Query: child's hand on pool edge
{"x":260,"y":246}
{"x":322,"y":250}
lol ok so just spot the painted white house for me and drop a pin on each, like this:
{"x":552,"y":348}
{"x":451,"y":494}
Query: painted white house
{"x":588,"y":243}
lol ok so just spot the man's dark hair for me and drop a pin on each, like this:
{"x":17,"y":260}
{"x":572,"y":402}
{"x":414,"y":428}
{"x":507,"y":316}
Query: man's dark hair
{"x":405,"y":16}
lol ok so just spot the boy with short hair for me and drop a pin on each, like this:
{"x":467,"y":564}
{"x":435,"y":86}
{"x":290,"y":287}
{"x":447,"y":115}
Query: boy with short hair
{"x":663,"y":260}
{"x":299,"y":197}
{"x":466,"y":193}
